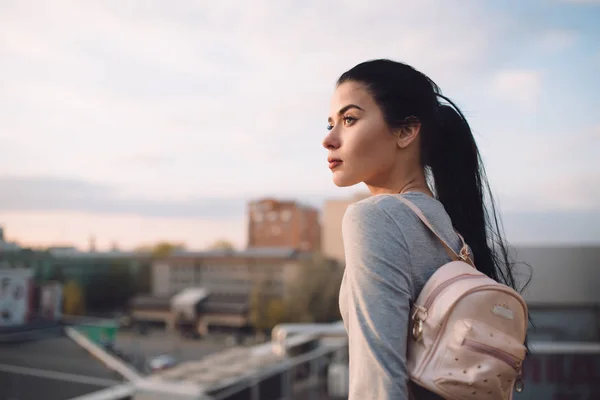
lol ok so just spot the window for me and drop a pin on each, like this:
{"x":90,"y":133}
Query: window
{"x":286,"y":215}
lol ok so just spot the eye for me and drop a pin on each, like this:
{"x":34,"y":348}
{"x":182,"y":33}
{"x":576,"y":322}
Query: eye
{"x":349,"y":120}
{"x":329,"y":127}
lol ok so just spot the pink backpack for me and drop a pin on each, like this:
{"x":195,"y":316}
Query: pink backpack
{"x":468,"y":331}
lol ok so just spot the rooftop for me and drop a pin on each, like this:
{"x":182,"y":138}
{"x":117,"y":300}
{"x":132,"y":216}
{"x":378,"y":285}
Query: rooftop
{"x":219,"y":370}
{"x":210,"y":303}
{"x":235,"y":368}
{"x":251,"y":252}
{"x":51,"y":366}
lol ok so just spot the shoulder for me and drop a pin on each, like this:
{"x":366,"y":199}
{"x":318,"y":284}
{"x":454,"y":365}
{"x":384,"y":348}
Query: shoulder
{"x":380,"y":211}
{"x":377,"y":221}
{"x":375,"y":246}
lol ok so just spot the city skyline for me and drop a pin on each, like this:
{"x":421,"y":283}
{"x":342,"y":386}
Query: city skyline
{"x":140,"y":123}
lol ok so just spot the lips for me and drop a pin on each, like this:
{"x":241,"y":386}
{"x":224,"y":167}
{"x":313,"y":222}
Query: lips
{"x":334,"y":162}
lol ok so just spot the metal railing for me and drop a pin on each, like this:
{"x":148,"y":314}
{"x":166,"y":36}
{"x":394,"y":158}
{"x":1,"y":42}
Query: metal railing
{"x":302,"y":377}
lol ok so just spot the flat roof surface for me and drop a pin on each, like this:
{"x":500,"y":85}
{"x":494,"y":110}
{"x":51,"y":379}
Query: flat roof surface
{"x":52,"y":367}
{"x":218,"y":369}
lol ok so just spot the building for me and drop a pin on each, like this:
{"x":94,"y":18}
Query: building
{"x":225,"y":272}
{"x":273,"y":223}
{"x":333,"y":214}
{"x":563,"y":295}
{"x":229,"y":278}
{"x":86,"y":267}
{"x":6,"y":246}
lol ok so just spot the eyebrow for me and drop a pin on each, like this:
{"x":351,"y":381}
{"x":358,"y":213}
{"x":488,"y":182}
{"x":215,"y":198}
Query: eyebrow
{"x":346,"y":108}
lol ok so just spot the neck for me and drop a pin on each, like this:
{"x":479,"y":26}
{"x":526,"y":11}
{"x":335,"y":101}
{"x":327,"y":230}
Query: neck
{"x":414,"y":184}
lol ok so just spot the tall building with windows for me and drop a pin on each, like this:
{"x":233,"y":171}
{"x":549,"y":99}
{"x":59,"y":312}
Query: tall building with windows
{"x":283,"y":224}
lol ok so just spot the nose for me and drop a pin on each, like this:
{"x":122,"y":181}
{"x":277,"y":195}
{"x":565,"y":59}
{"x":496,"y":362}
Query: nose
{"x":332,"y":140}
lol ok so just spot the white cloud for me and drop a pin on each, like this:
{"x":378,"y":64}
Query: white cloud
{"x":233,"y":96}
{"x":519,"y":87}
{"x":557,"y":40}
{"x":547,"y":171}
{"x":562,"y":192}
{"x":228,"y":87}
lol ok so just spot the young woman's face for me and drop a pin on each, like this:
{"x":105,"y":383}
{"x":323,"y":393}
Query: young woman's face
{"x":362,"y":148}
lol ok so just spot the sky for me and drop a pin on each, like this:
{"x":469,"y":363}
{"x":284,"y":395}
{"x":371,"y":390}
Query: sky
{"x":141,"y":121}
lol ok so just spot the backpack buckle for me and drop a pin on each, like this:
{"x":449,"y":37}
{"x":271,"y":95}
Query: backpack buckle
{"x":465,"y":255}
{"x":417,"y":328}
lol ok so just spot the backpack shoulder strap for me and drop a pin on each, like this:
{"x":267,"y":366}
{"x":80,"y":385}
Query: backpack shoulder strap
{"x":464,"y":253}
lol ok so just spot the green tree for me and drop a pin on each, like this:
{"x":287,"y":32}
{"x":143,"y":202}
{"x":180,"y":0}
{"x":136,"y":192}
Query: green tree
{"x":276,"y":312}
{"x":73,"y":299}
{"x":112,"y":288}
{"x":161,"y":249}
{"x":313,"y":296}
{"x":222,"y":244}
{"x":258,"y":305}
{"x":121,"y":283}
{"x":266,"y":309}
{"x":57,"y":274}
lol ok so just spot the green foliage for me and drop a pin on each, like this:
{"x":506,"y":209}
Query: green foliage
{"x":222,"y":244}
{"x":312,"y":297}
{"x":73,"y":299}
{"x":111,"y":289}
{"x":161,"y":249}
{"x":57,"y":274}
{"x":314,"y":293}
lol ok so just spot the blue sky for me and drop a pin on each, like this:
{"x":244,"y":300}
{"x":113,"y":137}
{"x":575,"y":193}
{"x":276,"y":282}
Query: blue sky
{"x":141,"y":121}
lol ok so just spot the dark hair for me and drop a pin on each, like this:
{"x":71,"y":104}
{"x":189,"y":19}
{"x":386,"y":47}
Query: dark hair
{"x":449,"y":156}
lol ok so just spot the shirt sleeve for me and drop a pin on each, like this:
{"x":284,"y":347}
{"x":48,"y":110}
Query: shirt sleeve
{"x":378,"y":294}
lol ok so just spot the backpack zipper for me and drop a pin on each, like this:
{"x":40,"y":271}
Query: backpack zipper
{"x":418,"y":320}
{"x":436,"y":292}
{"x":501,"y":355}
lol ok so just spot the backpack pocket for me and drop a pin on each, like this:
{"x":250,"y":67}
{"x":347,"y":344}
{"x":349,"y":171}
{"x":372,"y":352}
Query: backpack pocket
{"x":479,"y":362}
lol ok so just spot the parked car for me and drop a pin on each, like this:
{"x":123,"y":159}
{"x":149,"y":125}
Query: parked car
{"x":162,"y":362}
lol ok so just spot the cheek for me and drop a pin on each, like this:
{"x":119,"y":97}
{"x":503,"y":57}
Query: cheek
{"x":372,"y":148}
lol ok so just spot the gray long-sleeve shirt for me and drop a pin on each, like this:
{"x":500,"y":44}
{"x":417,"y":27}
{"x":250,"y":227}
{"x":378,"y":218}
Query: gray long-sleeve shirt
{"x":390,"y":254}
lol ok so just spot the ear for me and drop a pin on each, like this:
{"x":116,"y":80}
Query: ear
{"x":408,"y":132}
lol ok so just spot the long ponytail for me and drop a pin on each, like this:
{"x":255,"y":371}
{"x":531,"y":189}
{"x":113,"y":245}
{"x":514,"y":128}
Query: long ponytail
{"x":460,"y":183}
{"x":451,"y":156}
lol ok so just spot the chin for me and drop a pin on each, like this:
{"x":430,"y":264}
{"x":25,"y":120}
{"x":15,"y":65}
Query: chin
{"x":343,"y":181}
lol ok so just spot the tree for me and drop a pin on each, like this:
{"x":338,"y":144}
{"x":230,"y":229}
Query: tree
{"x":161,"y":249}
{"x":258,"y":306}
{"x":121,"y":283}
{"x":276,"y":312}
{"x":111,"y":289}
{"x":222,"y":244}
{"x":313,"y":297}
{"x":57,"y":274}
{"x":73,"y":299}
{"x":266,"y":310}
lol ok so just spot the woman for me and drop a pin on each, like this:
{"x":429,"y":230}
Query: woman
{"x":391,"y":128}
